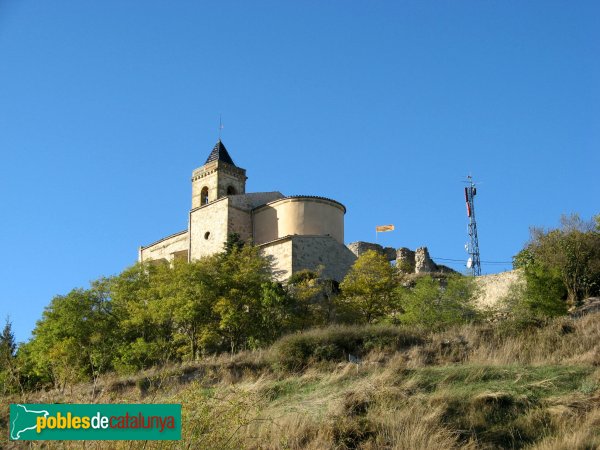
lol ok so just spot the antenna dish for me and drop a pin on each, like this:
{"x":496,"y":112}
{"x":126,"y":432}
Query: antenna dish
{"x":469,"y":263}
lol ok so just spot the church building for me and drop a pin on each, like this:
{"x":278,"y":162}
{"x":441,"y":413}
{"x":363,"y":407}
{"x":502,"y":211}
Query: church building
{"x":295,"y":232}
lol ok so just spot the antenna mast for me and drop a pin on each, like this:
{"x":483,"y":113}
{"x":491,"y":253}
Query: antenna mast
{"x":474,"y":263}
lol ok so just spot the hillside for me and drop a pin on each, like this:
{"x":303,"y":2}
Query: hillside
{"x":473,"y":387}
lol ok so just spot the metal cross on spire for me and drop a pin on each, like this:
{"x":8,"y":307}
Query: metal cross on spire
{"x":220,"y":126}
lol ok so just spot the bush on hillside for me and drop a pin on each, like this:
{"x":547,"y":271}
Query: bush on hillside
{"x":296,"y":351}
{"x":561,"y":266}
{"x":368,"y":290}
{"x":439,"y":303}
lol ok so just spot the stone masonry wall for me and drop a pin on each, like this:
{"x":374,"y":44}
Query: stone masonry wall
{"x":360,"y":247}
{"x":405,"y":260}
{"x":230,"y":176}
{"x":240,"y":222}
{"x":217,"y":176}
{"x":211,"y":219}
{"x":205,"y":176}
{"x":254,"y":199}
{"x":279,"y":254}
{"x":166,"y":249}
{"x":423,"y":263}
{"x":310,"y":252}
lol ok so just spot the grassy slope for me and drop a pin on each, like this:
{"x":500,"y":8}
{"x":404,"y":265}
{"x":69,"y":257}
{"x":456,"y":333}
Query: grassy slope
{"x":470,"y":387}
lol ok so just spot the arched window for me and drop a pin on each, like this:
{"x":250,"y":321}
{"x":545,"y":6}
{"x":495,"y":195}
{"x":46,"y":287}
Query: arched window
{"x":230,"y":190}
{"x":204,"y":196}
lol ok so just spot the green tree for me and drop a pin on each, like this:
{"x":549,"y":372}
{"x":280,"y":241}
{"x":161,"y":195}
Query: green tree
{"x":561,"y":264}
{"x":146,"y":323}
{"x":240,"y":277}
{"x":8,"y":346}
{"x":368,"y":290}
{"x":174,"y":311}
{"x":188,"y":292}
{"x":437,"y":303}
{"x":542,"y":295}
{"x":313,"y":299}
{"x":234,"y":241}
{"x":9,"y":376}
{"x":72,"y":340}
{"x":275,"y":312}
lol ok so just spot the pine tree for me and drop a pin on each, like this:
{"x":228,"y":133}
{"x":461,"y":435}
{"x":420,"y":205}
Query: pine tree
{"x":8,"y":371}
{"x":8,"y":347}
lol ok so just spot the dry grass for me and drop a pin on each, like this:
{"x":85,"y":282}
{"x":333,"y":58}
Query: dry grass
{"x":573,"y":432}
{"x":562,"y":341}
{"x":470,"y":387}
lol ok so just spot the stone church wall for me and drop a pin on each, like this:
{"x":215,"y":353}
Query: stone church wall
{"x":240,"y":222}
{"x":254,"y":199}
{"x":208,"y":228}
{"x":294,"y":253}
{"x":310,"y":252}
{"x":167,"y":249}
{"x":279,"y":254}
{"x":299,"y":216}
{"x":205,"y":176}
{"x":200,"y":179}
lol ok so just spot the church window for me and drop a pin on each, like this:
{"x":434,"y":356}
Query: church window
{"x":207,"y":235}
{"x":204,"y":196}
{"x":230,"y":190}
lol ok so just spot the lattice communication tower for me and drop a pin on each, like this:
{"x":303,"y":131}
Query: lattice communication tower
{"x":473,"y":263}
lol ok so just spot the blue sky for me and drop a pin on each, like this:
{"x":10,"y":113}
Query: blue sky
{"x":107,"y":107}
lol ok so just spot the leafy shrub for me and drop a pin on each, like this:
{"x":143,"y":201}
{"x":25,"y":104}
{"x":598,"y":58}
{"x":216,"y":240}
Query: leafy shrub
{"x":562,"y":266}
{"x":297,"y":351}
{"x":437,"y":304}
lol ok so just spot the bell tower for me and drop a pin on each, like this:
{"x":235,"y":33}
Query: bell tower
{"x":218,"y":177}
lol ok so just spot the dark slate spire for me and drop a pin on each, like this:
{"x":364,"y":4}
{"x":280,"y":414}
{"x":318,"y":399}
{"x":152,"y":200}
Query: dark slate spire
{"x":219,"y":153}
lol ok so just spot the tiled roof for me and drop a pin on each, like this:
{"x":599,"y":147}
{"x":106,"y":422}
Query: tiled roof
{"x":312,"y":196}
{"x":219,"y":153}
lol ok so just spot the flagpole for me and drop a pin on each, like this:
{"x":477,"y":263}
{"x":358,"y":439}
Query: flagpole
{"x":383,"y":229}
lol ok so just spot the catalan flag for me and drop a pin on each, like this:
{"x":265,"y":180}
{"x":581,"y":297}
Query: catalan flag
{"x":382,"y":228}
